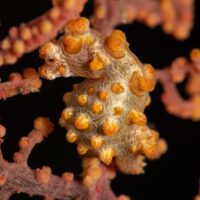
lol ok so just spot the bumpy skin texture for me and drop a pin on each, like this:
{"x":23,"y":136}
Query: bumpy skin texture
{"x":105,"y":113}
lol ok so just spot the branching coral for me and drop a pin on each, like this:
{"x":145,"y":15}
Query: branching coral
{"x":104,"y":114}
{"x":175,"y":16}
{"x":176,"y":74}
{"x":18,"y":84}
{"x":18,"y":177}
{"x":30,"y":36}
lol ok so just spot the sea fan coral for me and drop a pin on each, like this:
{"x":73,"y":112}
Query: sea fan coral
{"x":105,"y":114}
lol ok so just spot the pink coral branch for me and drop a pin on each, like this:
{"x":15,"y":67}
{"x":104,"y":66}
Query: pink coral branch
{"x":171,"y":97}
{"x":18,"y":84}
{"x":19,"y":177}
{"x":176,"y":16}
{"x":30,"y":36}
{"x":111,"y":13}
{"x":168,"y":77}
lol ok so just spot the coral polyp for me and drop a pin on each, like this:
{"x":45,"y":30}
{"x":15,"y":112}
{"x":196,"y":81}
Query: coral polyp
{"x":104,"y":113}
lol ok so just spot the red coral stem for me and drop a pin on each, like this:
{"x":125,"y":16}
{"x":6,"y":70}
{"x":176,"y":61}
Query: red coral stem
{"x":30,"y":82}
{"x":19,"y":177}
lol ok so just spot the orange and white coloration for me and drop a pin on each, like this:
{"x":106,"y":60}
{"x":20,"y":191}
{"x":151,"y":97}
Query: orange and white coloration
{"x":105,"y":113}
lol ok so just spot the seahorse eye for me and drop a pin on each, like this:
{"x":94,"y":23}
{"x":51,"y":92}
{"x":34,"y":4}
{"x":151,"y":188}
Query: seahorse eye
{"x":51,"y":60}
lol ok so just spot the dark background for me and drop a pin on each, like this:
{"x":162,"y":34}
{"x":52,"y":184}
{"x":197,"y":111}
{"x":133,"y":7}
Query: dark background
{"x":174,"y":177}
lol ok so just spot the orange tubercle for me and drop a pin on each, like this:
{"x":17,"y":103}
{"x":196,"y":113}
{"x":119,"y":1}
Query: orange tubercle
{"x":150,"y":145}
{"x":88,"y":40}
{"x":82,"y":149}
{"x":134,"y":84}
{"x":97,"y":108}
{"x":82,"y":100}
{"x":118,"y":110}
{"x":61,"y":69}
{"x":106,"y":155}
{"x":96,"y":64}
{"x":68,"y":114}
{"x":136,"y":117}
{"x":149,"y":71}
{"x":103,"y":95}
{"x":117,"y":88}
{"x":96,"y":142}
{"x":146,"y":84}
{"x":78,"y":26}
{"x":116,"y":44}
{"x":72,"y":45}
{"x":82,"y":122}
{"x":44,"y":49}
{"x":72,"y":136}
{"x":110,"y":127}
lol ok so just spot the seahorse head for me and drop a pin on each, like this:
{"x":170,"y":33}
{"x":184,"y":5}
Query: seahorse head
{"x":83,"y":52}
{"x":71,"y":55}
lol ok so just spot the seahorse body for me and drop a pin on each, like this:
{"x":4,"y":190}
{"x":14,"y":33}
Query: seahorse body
{"x":104,"y":113}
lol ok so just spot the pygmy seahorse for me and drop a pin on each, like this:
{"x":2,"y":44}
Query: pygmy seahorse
{"x":104,"y":113}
